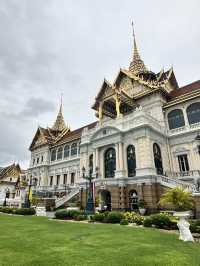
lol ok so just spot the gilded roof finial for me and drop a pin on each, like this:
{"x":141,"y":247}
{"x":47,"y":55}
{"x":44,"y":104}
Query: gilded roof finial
{"x":137,"y":65}
{"x":59,"y":124}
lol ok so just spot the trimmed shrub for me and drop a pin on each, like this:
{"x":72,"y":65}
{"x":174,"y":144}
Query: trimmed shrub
{"x":19,"y":211}
{"x":25,"y":211}
{"x":67,"y":214}
{"x":124,"y":222}
{"x":147,"y":222}
{"x":99,"y":217}
{"x":160,"y":220}
{"x":195,"y":226}
{"x":113,"y":217}
{"x":81,"y":217}
{"x":133,"y":217}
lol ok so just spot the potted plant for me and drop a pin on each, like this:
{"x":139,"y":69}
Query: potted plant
{"x":142,"y":207}
{"x":181,"y":201}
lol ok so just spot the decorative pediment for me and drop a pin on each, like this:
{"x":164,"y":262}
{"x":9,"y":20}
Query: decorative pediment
{"x":39,"y":139}
{"x":104,"y":132}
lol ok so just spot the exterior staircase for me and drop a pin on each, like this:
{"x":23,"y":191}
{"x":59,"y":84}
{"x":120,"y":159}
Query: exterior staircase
{"x":61,"y":201}
{"x":174,"y":182}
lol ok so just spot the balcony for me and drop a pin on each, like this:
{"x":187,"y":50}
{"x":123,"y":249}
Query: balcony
{"x":185,"y":129}
{"x":187,"y":175}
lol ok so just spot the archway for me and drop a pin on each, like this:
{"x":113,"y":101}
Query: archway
{"x":133,"y":200}
{"x":105,"y":200}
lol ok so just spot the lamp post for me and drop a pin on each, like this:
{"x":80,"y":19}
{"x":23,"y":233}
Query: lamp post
{"x":90,"y":198}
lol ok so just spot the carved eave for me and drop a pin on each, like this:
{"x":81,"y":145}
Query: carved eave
{"x":103,"y":93}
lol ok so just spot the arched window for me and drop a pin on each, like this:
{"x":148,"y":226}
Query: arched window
{"x":66,"y":151}
{"x":176,"y":119}
{"x":193,"y":113}
{"x":59,"y":153}
{"x":74,"y":149}
{"x":133,"y":200}
{"x":131,"y":160}
{"x":157,"y":159}
{"x":91,"y":164}
{"x":110,"y":162}
{"x":53,"y":155}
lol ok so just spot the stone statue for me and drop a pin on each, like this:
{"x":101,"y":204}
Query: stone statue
{"x":184,"y":229}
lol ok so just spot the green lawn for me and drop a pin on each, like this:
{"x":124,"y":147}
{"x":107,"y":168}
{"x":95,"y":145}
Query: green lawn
{"x":39,"y":241}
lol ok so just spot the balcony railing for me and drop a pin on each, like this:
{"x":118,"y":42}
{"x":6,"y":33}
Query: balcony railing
{"x":192,"y":173}
{"x":184,"y":129}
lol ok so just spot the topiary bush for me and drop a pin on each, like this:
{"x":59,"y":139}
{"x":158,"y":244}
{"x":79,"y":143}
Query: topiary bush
{"x":124,"y":222}
{"x":113,"y":217}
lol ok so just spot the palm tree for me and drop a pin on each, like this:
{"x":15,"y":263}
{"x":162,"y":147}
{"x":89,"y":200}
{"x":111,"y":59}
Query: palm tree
{"x":177,"y":198}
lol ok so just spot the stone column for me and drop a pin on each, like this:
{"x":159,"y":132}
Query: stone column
{"x":121,"y":157}
{"x":185,"y":117}
{"x":119,"y":160}
{"x":145,"y":160}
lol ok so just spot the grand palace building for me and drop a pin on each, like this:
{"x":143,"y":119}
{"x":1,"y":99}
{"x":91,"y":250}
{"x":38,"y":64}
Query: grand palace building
{"x":146,"y":139}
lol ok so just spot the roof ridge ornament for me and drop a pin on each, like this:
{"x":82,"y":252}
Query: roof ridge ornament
{"x":59,"y":124}
{"x":137,"y":65}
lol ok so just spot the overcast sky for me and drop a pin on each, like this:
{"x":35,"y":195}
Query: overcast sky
{"x":53,"y":46}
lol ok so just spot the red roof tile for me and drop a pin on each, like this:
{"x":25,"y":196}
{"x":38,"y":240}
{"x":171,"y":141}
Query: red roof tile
{"x":186,"y":89}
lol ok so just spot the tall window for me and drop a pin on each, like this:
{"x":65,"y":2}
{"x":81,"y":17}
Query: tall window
{"x":176,"y":119}
{"x":51,"y":181}
{"x":53,"y":155}
{"x":59,"y":153}
{"x":74,"y":149}
{"x":72,"y":178}
{"x":66,"y":151}
{"x":193,"y":113}
{"x":183,"y":163}
{"x":110,"y":162}
{"x":65,"y":179}
{"x":58,"y":180}
{"x":157,"y":159}
{"x":131,"y":160}
{"x":91,"y":164}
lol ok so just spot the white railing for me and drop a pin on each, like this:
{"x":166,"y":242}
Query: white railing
{"x":172,"y":182}
{"x":60,"y":201}
{"x":192,"y":173}
{"x":184,"y":129}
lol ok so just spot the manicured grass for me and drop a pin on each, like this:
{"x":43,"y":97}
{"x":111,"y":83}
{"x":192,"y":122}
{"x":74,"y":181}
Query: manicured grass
{"x":38,"y":241}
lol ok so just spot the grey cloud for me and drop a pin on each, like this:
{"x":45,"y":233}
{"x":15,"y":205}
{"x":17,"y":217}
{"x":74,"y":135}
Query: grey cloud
{"x":51,"y":46}
{"x":37,"y":106}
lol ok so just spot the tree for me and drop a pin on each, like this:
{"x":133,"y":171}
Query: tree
{"x":178,"y":198}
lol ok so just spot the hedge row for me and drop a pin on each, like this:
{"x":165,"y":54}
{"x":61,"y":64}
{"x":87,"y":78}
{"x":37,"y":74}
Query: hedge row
{"x":19,"y":211}
{"x":159,"y":220}
{"x":71,"y":214}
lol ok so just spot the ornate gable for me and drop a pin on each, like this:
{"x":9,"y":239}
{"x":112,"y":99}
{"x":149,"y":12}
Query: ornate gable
{"x":39,"y":139}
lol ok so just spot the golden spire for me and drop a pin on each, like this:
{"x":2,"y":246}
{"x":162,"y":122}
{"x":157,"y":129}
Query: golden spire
{"x":59,"y":124}
{"x":137,"y":65}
